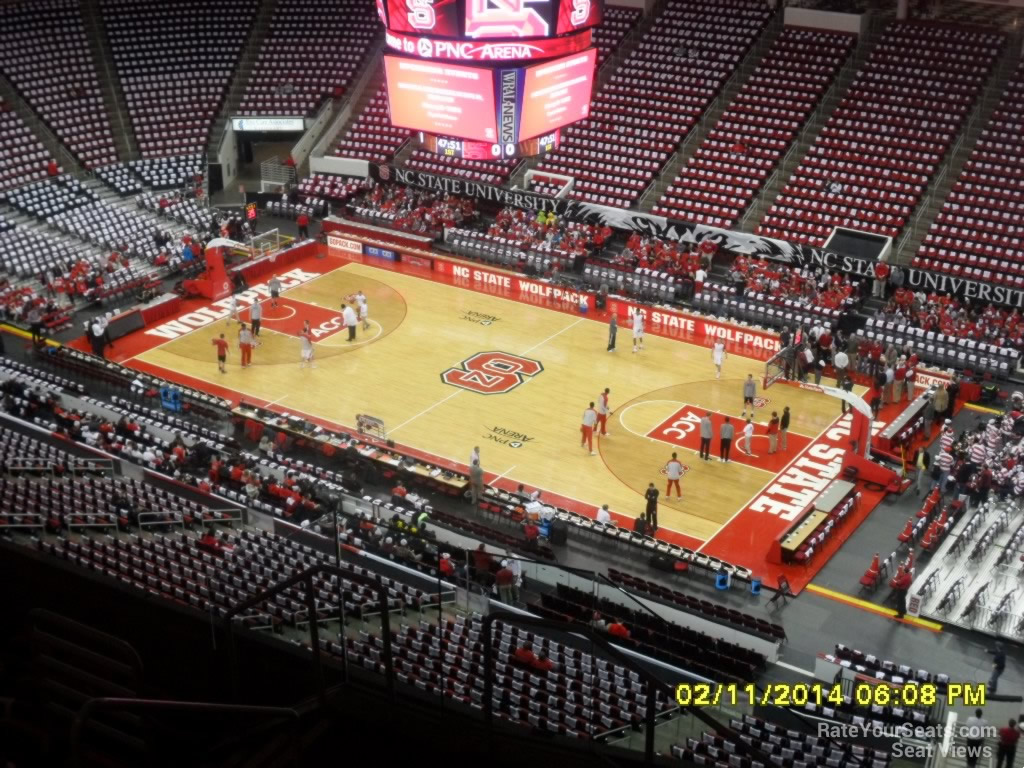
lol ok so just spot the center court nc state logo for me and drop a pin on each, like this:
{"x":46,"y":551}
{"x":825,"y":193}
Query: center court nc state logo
{"x":492,"y":373}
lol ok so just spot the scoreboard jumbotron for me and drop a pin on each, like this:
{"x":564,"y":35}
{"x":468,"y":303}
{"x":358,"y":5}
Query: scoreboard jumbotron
{"x":485,"y":79}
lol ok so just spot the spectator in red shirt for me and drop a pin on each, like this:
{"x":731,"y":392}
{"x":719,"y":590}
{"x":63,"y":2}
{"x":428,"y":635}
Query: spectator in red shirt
{"x":532,"y":533}
{"x":446,"y":565}
{"x":618,"y":629}
{"x":525,"y":656}
{"x":399,"y":492}
{"x":505,"y":580}
{"x":881,"y":278}
{"x":482,"y":561}
{"x":1008,"y":738}
{"x":303,"y":223}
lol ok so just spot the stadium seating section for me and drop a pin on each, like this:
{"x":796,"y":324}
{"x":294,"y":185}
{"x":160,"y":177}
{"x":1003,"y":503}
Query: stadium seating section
{"x":23,"y":158}
{"x":615,"y":27}
{"x":45,"y":53}
{"x":785,"y":747}
{"x":175,"y":63}
{"x":169,"y":172}
{"x":946,"y":351}
{"x":372,"y":137}
{"x":870,"y":165}
{"x":757,"y":129}
{"x":655,"y":98}
{"x":311,"y":53}
{"x":120,"y":178}
{"x":976,"y":234}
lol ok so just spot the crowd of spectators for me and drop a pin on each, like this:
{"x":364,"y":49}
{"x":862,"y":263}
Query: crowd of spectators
{"x":985,"y":459}
{"x":949,"y":316}
{"x":675,"y":258}
{"x":546,"y":229}
{"x":420,"y":211}
{"x":813,"y":287}
{"x":813,"y":351}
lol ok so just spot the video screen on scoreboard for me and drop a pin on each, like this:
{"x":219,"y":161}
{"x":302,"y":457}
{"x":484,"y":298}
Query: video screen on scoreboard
{"x":428,"y":17}
{"x":556,"y":93}
{"x":437,"y":97}
{"x":574,"y":15}
{"x":485,"y":19}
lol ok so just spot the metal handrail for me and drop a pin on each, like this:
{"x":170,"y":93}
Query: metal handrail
{"x":652,"y":682}
{"x":305,"y":577}
{"x":92,"y":706}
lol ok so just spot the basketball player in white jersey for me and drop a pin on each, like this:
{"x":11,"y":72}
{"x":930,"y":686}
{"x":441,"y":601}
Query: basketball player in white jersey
{"x":638,"y":331}
{"x":364,"y":310}
{"x":587,"y":429}
{"x":718,"y":357}
{"x":307,"y":348}
{"x":603,"y":412}
{"x":233,"y":310}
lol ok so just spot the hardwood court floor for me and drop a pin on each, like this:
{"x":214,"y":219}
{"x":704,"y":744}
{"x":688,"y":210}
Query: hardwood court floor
{"x":530,"y":434}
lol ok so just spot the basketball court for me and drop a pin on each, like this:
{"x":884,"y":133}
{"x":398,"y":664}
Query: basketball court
{"x":449,"y":366}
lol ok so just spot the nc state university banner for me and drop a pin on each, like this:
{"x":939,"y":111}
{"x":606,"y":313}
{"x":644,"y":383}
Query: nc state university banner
{"x":670,"y":229}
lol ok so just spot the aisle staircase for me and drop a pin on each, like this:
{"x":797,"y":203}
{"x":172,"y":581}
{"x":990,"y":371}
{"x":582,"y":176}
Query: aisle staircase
{"x":110,"y":83}
{"x":713,"y":113}
{"x":42,"y":131}
{"x":943,"y":182}
{"x":242,"y":73}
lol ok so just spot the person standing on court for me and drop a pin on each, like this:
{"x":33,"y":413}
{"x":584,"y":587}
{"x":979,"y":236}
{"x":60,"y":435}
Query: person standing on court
{"x":847,"y":386}
{"x":256,"y":315}
{"x":748,"y":433}
{"x":349,"y":317}
{"x":784,"y":427}
{"x":587,"y":429}
{"x":706,"y":432}
{"x":749,"y":391}
{"x":718,"y":357}
{"x":245,"y":342}
{"x":773,"y":433}
{"x":603,"y":412}
{"x":725,"y":435}
{"x":651,"y":511}
{"x":841,"y":362}
{"x":673,"y":471}
{"x":476,"y":483}
{"x":474,"y":455}
{"x":613,"y":328}
{"x":638,"y":331}
{"x":222,"y":352}
{"x":275,"y":290}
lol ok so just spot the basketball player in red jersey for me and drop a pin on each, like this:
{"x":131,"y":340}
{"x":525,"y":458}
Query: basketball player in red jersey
{"x":222,"y":352}
{"x":245,"y":342}
{"x":603,"y":412}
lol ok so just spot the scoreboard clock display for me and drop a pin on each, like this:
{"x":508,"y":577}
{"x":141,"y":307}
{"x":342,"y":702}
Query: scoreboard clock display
{"x":480,"y":19}
{"x":478,"y":150}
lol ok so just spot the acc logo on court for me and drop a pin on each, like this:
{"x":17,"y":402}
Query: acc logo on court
{"x":686,"y":469}
{"x":492,"y":373}
{"x":761,"y":402}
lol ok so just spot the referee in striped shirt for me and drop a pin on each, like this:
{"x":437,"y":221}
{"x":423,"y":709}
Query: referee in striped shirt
{"x":978,"y":452}
{"x":943,"y":465}
{"x":947,"y":437}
